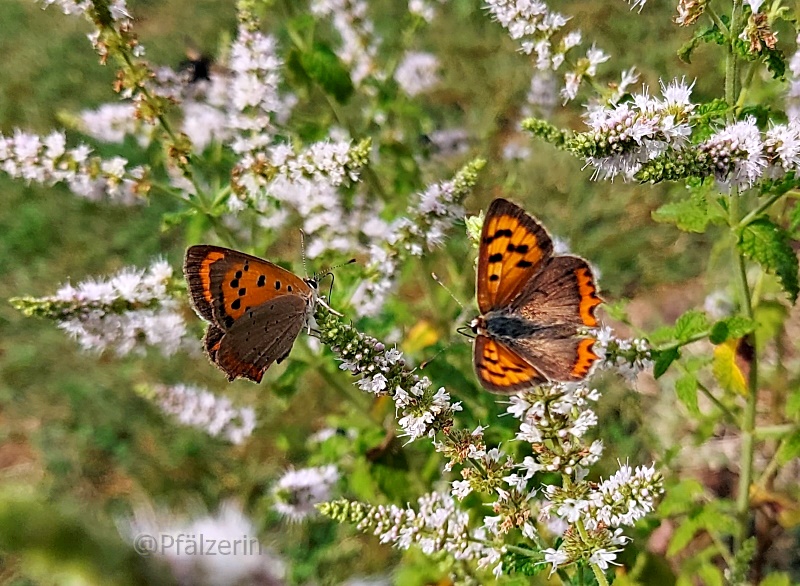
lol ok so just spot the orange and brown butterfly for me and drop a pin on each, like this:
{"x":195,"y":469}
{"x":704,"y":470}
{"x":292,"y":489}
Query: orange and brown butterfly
{"x":534,"y":306}
{"x":256,"y":309}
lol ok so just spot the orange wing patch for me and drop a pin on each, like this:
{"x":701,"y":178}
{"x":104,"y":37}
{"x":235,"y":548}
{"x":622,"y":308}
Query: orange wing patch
{"x":252,"y":282}
{"x":502,"y":370}
{"x":585,"y":359}
{"x":589,"y":298}
{"x":513,"y":245}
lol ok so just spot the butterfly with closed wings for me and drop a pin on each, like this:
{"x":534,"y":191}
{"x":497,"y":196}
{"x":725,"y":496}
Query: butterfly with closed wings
{"x":255,"y":308}
{"x":534,"y":306}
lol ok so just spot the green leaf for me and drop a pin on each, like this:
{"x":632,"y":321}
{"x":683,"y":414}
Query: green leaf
{"x":286,"y":384}
{"x":790,"y":448}
{"x":726,"y":371}
{"x":792,"y":408}
{"x":686,"y":389}
{"x":775,"y":62}
{"x":709,"y":574}
{"x":776,"y":579}
{"x":689,"y":215}
{"x":690,"y":324}
{"x":663,"y":359}
{"x":794,"y":216}
{"x":683,"y":535}
{"x":768,"y":245}
{"x":763,"y":114}
{"x":707,"y":35}
{"x":321,"y":65}
{"x":731,"y":328}
{"x":680,"y":498}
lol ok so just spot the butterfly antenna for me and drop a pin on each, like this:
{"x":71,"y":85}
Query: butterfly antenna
{"x":436,"y":278}
{"x":303,"y":251}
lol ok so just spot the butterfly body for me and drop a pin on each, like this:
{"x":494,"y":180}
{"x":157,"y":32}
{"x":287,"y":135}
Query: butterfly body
{"x":256,"y":309}
{"x":534,"y":305}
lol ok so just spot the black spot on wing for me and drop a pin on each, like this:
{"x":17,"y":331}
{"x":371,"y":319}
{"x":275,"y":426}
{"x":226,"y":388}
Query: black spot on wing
{"x":262,"y":280}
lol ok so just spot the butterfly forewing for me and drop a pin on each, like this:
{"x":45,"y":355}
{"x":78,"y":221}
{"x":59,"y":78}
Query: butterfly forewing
{"x":500,"y":369}
{"x":255,"y":308}
{"x":265,"y":334}
{"x":224,"y":283}
{"x":512,"y":249}
{"x":563,"y":292}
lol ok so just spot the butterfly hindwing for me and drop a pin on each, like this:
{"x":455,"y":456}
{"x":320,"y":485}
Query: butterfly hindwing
{"x":263,"y":335}
{"x":563,"y":292}
{"x":500,"y":369}
{"x":557,"y":353}
{"x":512,"y":249}
{"x":225,"y":283}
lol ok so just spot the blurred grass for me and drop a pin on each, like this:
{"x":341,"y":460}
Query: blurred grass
{"x":72,"y":427}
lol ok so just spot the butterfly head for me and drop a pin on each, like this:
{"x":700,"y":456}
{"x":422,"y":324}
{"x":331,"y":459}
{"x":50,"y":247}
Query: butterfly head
{"x":478,"y":326}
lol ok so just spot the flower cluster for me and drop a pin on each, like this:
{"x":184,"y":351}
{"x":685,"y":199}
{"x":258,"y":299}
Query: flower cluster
{"x":793,"y":93}
{"x":436,"y":527}
{"x":359,"y":43}
{"x":627,"y":356}
{"x":421,"y":409}
{"x":192,"y":562}
{"x":417,"y":73}
{"x":537,"y":28}
{"x":423,"y":227}
{"x":595,"y":513}
{"x":734,"y":154}
{"x":626,"y":135}
{"x":254,"y":97}
{"x":200,"y":408}
{"x":299,"y":491}
{"x":48,"y":161}
{"x":125,"y":313}
{"x":553,"y":419}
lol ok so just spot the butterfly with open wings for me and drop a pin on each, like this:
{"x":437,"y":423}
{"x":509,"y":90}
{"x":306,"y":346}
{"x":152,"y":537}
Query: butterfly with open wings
{"x":534,"y":306}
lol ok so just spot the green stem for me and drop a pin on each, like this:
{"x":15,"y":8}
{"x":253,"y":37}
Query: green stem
{"x":680,"y":343}
{"x":725,"y":411}
{"x":750,"y":217}
{"x":717,"y":20}
{"x":775,"y":431}
{"x":771,"y":467}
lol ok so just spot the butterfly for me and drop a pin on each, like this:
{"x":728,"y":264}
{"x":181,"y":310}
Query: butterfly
{"x":256,"y":309}
{"x":533,"y":305}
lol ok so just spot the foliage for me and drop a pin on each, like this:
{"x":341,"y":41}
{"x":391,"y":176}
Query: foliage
{"x":377,"y":129}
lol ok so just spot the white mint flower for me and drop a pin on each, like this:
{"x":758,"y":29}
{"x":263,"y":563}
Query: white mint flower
{"x":417,"y":73}
{"x":199,"y":408}
{"x":199,"y":563}
{"x":735,"y":153}
{"x":298,"y":491}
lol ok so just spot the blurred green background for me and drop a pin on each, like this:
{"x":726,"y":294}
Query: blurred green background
{"x":79,"y":448}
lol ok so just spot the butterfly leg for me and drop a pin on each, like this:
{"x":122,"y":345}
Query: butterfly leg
{"x":324,"y":304}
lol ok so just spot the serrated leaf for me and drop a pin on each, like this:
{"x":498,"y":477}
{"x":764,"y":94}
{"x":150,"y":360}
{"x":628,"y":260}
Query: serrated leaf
{"x":768,"y":245}
{"x":686,"y":389}
{"x":726,"y":371}
{"x":663,"y":359}
{"x":729,"y":328}
{"x":710,"y":34}
{"x":690,"y":324}
{"x":790,"y":448}
{"x":775,"y":62}
{"x":776,"y":579}
{"x":689,"y":215}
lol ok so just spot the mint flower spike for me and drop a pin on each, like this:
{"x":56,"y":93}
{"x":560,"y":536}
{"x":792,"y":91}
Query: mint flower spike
{"x":48,"y":161}
{"x":124,"y":313}
{"x":197,"y":407}
{"x":435,"y":526}
{"x":421,"y":409}
{"x":423,"y":227}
